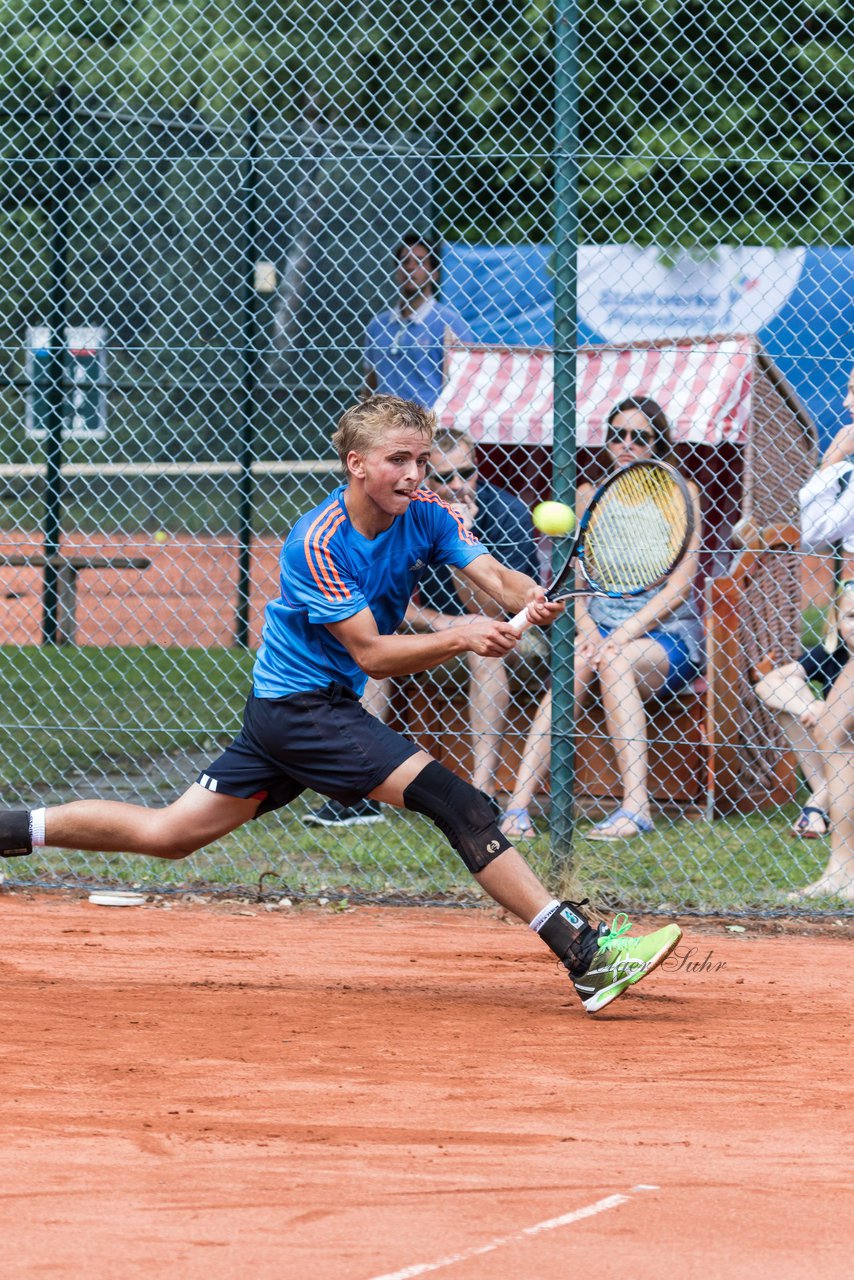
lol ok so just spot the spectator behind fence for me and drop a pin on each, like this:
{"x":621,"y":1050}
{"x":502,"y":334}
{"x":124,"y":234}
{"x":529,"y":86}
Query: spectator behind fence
{"x":822,"y":732}
{"x":827,"y":499}
{"x":811,"y":727}
{"x":637,"y":648}
{"x":405,"y":345}
{"x":502,"y":523}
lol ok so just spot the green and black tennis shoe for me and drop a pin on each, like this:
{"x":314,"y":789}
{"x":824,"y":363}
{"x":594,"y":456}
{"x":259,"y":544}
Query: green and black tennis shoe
{"x":621,"y":961}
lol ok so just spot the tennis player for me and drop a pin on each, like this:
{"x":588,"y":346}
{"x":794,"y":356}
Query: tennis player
{"x":348,"y":570}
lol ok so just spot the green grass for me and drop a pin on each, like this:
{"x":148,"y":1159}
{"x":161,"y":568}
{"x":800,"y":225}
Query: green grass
{"x":72,"y":711}
{"x":138,"y":724}
{"x":737,"y":863}
{"x":741,"y":864}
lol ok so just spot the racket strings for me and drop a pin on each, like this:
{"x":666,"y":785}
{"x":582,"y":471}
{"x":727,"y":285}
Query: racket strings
{"x":637,"y":531}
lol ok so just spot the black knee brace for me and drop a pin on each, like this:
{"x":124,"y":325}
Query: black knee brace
{"x":462,"y":813}
{"x":15,"y":841}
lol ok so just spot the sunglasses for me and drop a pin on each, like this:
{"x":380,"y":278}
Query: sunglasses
{"x":616,"y":435}
{"x":460,"y":473}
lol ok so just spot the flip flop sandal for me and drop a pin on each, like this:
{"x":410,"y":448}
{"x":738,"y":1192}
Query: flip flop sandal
{"x":517,"y":825}
{"x":604,"y":830}
{"x":802,"y":829}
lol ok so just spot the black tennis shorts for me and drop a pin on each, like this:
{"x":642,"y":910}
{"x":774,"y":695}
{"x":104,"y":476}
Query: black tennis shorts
{"x":325,"y":740}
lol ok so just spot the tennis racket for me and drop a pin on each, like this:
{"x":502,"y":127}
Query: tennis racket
{"x":636,"y":529}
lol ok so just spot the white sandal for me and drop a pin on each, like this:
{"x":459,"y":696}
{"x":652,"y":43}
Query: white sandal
{"x":517,"y":825}
{"x":604,"y":830}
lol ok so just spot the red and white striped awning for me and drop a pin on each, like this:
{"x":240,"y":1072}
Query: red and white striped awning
{"x":506,"y":396}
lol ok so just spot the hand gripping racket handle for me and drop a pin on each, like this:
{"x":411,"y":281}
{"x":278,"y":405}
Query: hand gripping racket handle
{"x":521,"y":622}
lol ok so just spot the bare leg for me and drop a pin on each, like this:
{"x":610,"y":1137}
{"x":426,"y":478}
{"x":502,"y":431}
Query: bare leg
{"x":535,"y":757}
{"x":835,"y":734}
{"x":786,"y":689}
{"x":627,"y":679}
{"x":810,"y":758}
{"x":391,"y":790}
{"x":787,"y":695}
{"x":107,"y":826}
{"x":508,"y":879}
{"x":375,"y":699}
{"x":512,"y":884}
{"x":489,"y":695}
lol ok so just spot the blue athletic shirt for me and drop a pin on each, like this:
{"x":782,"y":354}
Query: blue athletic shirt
{"x":330,"y":571}
{"x":408,"y":356}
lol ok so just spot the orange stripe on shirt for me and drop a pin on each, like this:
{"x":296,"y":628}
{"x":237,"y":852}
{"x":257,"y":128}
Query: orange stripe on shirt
{"x":327,"y":557}
{"x":427,"y":495}
{"x":314,"y":552}
{"x":321,"y":561}
{"x":308,"y":547}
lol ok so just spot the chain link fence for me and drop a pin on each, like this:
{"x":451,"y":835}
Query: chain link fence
{"x":220,"y":222}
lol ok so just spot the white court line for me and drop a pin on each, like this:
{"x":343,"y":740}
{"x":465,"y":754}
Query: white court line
{"x":551,"y":1224}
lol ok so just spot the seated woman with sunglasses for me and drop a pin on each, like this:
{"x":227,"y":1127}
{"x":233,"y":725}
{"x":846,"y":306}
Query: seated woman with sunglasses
{"x":649,"y":645}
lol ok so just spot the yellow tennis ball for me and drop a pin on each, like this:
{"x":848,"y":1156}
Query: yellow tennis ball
{"x":554,"y":518}
{"x":161,"y":536}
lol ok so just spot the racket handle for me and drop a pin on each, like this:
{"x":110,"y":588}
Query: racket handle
{"x":521,"y":622}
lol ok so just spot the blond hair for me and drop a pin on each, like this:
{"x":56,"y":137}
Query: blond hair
{"x":363,"y":425}
{"x":831,"y":626}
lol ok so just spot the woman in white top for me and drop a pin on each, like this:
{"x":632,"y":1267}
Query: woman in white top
{"x":827,"y":499}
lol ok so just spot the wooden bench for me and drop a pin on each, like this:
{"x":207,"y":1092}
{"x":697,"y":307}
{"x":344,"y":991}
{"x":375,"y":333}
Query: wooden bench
{"x":753,"y":611}
{"x":68,"y":569}
{"x":436,"y":716}
{"x":679,"y":750}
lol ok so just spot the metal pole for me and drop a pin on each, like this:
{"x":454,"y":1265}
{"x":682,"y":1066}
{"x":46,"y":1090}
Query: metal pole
{"x":59,"y":213}
{"x":564,"y":449}
{"x":249,"y":377}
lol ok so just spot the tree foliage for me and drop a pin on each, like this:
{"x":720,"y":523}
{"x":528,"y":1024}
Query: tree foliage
{"x":700,"y":121}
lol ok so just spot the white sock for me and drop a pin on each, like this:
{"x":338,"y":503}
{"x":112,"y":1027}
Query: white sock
{"x":542,"y":916}
{"x":37,"y":827}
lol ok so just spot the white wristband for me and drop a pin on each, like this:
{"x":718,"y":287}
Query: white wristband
{"x":37,"y":827}
{"x":542,"y":916}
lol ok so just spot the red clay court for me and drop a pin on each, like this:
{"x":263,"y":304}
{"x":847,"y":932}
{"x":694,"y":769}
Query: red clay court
{"x":187,"y":596}
{"x":218,"y":1091}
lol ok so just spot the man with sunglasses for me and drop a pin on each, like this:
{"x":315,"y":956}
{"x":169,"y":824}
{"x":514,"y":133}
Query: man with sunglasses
{"x":502,"y":523}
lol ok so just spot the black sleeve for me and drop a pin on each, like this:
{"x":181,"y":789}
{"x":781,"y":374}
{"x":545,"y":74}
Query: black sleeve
{"x":505,"y":528}
{"x":821,"y":667}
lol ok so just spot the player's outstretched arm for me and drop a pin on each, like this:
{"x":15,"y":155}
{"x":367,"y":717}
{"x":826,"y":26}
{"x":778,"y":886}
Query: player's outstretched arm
{"x":511,"y":589}
{"x":381,"y":656}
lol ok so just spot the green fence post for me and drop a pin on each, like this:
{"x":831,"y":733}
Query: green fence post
{"x":564,"y":448}
{"x":59,"y":213}
{"x":249,"y":377}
